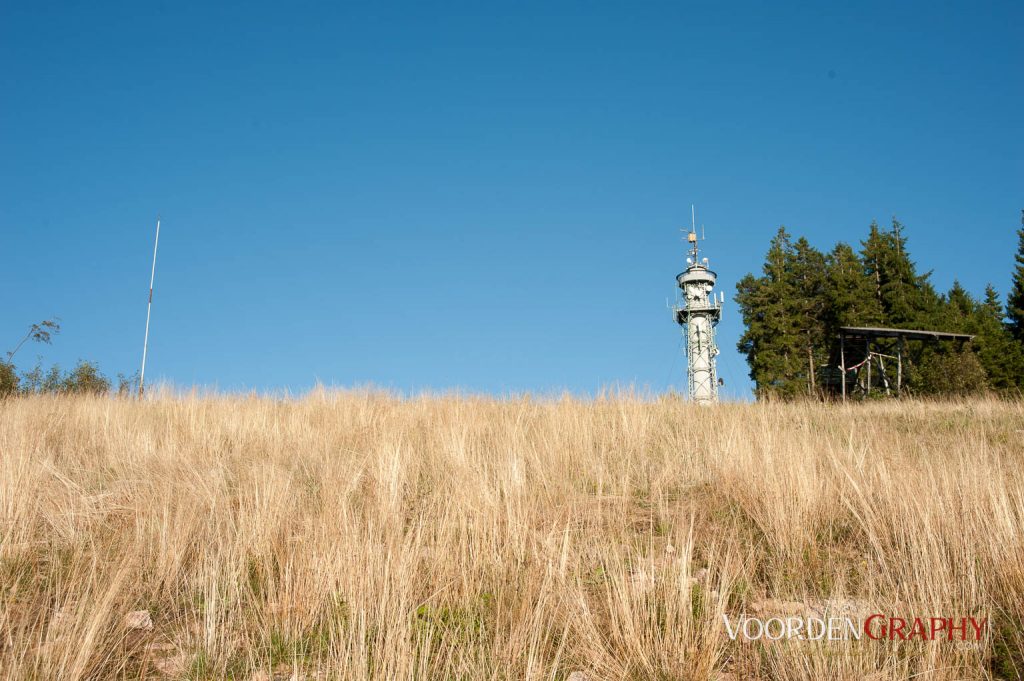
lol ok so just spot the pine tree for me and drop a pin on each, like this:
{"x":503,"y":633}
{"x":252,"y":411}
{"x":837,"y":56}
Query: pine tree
{"x":770,"y":340}
{"x":937,"y":368}
{"x":959,"y":309}
{"x":875,"y":254}
{"x":810,"y":302}
{"x":849,"y":291}
{"x":907,"y":298}
{"x":992,"y":304}
{"x":1000,"y":357}
{"x":999,"y":353}
{"x":1015,"y":301}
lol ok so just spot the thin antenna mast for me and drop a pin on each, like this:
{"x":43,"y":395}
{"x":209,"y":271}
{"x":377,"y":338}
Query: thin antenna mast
{"x":149,"y":308}
{"x":692,"y":236}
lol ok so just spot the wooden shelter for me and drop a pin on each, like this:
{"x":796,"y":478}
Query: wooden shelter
{"x":855,"y":338}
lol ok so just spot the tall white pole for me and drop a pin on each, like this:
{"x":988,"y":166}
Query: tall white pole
{"x":149,"y":308}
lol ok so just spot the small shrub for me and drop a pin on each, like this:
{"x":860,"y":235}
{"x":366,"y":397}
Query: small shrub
{"x":954,"y":373}
{"x":85,"y":378}
{"x":8,"y":379}
{"x":127,"y":384}
{"x":37,"y":380}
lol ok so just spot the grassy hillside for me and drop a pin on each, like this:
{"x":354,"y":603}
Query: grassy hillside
{"x":356,"y":535}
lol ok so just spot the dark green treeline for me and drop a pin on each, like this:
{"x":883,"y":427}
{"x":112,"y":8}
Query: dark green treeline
{"x":793,"y":309}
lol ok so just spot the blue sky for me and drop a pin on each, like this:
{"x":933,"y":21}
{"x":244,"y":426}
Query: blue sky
{"x":472,"y":195}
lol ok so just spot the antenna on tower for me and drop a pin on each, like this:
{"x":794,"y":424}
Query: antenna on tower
{"x":691,"y":238}
{"x":149,"y":308}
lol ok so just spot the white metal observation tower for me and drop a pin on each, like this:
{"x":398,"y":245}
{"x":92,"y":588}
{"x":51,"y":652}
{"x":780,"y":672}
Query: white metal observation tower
{"x":699,"y":312}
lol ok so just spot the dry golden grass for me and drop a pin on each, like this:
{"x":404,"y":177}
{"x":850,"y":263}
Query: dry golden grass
{"x":355,"y":535}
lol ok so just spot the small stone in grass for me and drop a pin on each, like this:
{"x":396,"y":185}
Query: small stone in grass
{"x":139,"y":619}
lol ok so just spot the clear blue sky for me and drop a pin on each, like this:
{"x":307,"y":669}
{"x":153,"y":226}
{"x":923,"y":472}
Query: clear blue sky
{"x":474,"y":195}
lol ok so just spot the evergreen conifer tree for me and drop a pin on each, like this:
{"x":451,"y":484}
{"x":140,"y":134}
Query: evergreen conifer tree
{"x":1015,"y":300}
{"x":999,"y":353}
{"x":849,"y":291}
{"x":907,"y":298}
{"x":770,"y":340}
{"x":809,"y":305}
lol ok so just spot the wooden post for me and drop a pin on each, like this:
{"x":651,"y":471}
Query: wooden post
{"x":885,"y":376}
{"x":842,"y":361}
{"x":899,"y":367}
{"x":867,"y":350}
